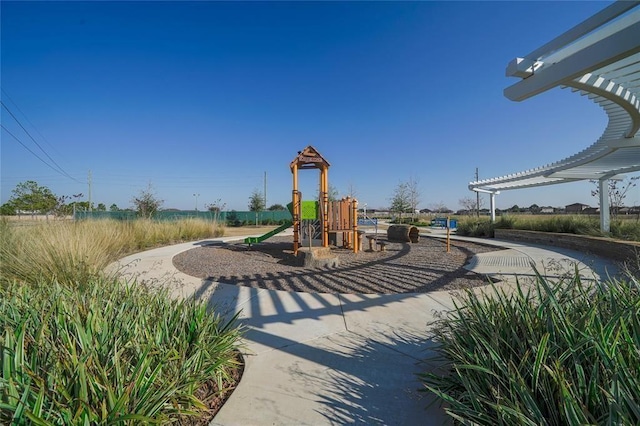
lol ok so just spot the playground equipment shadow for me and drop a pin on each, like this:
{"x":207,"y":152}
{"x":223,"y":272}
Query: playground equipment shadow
{"x":319,"y":358}
{"x":402,"y":268}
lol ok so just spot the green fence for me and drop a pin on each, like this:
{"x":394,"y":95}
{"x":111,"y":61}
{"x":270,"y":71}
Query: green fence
{"x":231,"y":218}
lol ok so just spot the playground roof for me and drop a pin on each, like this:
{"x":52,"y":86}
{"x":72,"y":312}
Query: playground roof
{"x":309,"y":158}
{"x":599,"y":59}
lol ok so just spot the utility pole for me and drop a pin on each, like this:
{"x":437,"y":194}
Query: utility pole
{"x":89,"y":180}
{"x":265,"y":190}
{"x":477,"y":197}
{"x":196,"y":195}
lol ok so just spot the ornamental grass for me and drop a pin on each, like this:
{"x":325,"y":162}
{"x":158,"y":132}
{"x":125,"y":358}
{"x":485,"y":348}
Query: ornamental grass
{"x":562,"y":352}
{"x":107,"y":353}
{"x":78,"y":347}
{"x":74,"y":252}
{"x":623,"y":228}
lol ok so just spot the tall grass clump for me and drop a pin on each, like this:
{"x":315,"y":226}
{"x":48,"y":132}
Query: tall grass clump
{"x":554,"y":353}
{"x":73,"y":253}
{"x":107,"y":353}
{"x":623,"y":229}
{"x":628,"y":229}
{"x":475,"y":227}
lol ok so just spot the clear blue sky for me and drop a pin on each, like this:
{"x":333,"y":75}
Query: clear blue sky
{"x":205,"y":97}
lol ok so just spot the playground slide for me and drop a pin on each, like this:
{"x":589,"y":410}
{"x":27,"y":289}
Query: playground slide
{"x":261,"y":238}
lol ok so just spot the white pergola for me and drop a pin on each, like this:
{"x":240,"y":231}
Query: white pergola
{"x":599,"y":59}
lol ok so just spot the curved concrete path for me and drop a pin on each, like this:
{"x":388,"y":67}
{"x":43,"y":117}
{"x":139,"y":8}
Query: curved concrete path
{"x":338,"y":358}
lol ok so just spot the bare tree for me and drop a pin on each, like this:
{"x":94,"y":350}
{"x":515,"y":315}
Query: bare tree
{"x":471,"y":205}
{"x":618,"y":190}
{"x":440,"y":207}
{"x":413,"y":195}
{"x":332,"y":193}
{"x":351,"y":190}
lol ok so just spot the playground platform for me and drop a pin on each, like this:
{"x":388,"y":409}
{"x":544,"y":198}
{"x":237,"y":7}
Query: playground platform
{"x":317,"y":358}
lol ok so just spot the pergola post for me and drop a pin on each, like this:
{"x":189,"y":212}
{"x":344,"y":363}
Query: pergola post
{"x":492,"y":204}
{"x":605,"y":215}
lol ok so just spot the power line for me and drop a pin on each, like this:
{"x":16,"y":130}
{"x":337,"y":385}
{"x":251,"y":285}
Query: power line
{"x":29,"y":121}
{"x":34,"y":154}
{"x":36,"y":142}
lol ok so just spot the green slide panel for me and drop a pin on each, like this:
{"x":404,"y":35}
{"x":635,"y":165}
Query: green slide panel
{"x":261,"y":238}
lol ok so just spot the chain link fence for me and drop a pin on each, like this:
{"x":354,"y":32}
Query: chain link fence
{"x":231,"y":218}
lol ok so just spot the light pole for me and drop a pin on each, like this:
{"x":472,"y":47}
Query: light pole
{"x":196,"y":195}
{"x":365,"y":210}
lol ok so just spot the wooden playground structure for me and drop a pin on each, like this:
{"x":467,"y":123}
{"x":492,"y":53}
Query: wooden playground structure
{"x":334,"y":217}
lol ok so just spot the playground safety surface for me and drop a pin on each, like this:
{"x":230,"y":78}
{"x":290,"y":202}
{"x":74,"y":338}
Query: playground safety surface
{"x":403,"y":268}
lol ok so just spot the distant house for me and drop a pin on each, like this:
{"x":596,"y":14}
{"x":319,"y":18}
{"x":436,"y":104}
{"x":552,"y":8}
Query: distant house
{"x":575,"y":208}
{"x":547,"y":210}
{"x":591,"y":210}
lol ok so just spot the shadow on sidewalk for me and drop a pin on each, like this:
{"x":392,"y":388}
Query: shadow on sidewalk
{"x":339,"y":376}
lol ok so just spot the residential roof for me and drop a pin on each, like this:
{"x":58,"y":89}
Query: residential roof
{"x":599,"y":59}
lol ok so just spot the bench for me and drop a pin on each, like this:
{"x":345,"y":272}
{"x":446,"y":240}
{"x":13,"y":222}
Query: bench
{"x":373,"y":239}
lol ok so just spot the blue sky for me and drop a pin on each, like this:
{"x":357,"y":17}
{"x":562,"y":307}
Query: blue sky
{"x":205,"y":97}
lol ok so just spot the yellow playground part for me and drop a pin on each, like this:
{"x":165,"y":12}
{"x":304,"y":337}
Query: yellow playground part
{"x":334,"y":216}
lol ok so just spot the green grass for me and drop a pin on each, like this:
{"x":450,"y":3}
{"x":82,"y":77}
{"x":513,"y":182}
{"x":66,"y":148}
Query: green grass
{"x":554,"y":353}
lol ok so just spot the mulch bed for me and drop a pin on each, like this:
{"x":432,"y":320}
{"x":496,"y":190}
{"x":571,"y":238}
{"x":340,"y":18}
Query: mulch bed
{"x":403,"y":268}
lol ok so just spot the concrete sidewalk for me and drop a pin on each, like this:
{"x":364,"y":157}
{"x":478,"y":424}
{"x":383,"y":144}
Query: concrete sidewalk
{"x":338,"y":358}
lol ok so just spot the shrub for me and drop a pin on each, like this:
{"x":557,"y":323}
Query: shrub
{"x":475,"y":228}
{"x":560,"y":352}
{"x":107,"y":352}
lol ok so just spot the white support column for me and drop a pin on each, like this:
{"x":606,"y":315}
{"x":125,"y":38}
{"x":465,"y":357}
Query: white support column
{"x":493,"y":206}
{"x":605,"y":220}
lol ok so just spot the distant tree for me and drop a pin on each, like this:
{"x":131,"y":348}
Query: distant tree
{"x":332,"y":193}
{"x":7,"y":209}
{"x":217,"y":206}
{"x":618,"y":190}
{"x":440,"y":208}
{"x":80,"y":206}
{"x":147,"y":203}
{"x":351,"y":191}
{"x":63,"y":208}
{"x":256,"y":201}
{"x":101,"y":207}
{"x":29,"y":196}
{"x":114,"y":208}
{"x":276,"y":207}
{"x":413,"y":194}
{"x":232,"y":219}
{"x":472,"y":205}
{"x":468,"y":204}
{"x":535,"y":209}
{"x":400,"y":200}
